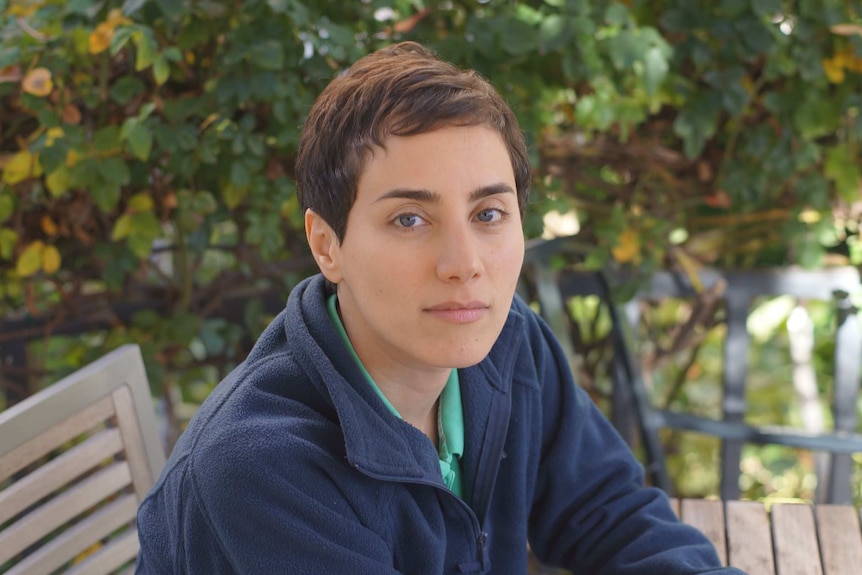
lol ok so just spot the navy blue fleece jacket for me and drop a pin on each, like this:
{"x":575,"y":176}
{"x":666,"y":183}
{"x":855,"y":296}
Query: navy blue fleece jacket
{"x":294,"y":466}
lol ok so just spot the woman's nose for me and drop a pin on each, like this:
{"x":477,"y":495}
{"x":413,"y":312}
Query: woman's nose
{"x":459,"y":257}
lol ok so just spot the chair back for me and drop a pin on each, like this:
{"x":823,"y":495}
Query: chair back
{"x":76,"y":459}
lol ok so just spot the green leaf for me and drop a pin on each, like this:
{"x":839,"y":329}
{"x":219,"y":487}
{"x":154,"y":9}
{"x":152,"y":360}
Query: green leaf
{"x":268,"y":55}
{"x":9,"y":55}
{"x":125,"y":89}
{"x":766,"y":7}
{"x":294,"y":8}
{"x":8,"y":239}
{"x":181,"y":328}
{"x":816,"y":116}
{"x":107,"y":139}
{"x":696,"y":123}
{"x":132,"y":6}
{"x":173,"y":54}
{"x":519,"y":38}
{"x":172,"y":9}
{"x":147,"y":49}
{"x":57,"y":181}
{"x":233,"y":195}
{"x":617,"y":14}
{"x":842,"y":168}
{"x":553,"y":33}
{"x":239,"y":175}
{"x":106,"y":195}
{"x":122,"y":228}
{"x":733,"y":8}
{"x":85,"y":7}
{"x":141,"y":142}
{"x":655,"y":70}
{"x":83,"y":174}
{"x":204,"y":203}
{"x":729,"y":84}
{"x":161,"y":70}
{"x":7,"y":206}
{"x":625,"y":49}
{"x":114,"y":170}
{"x":144,"y":230}
{"x":146,"y":110}
{"x":120,"y":38}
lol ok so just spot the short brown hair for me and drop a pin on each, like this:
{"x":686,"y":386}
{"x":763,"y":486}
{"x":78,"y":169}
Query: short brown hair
{"x":401,"y":90}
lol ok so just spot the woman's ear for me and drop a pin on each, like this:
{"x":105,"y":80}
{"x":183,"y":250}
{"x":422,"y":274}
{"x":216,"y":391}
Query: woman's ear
{"x":324,"y":245}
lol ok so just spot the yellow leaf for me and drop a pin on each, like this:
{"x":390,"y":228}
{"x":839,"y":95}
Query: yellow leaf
{"x":38,"y":82}
{"x":30,"y":260}
{"x":48,"y":226}
{"x":21,"y":166}
{"x":852,"y":62}
{"x":25,"y":9}
{"x":57,"y":181}
{"x":116,"y":18}
{"x":834,"y":70}
{"x":72,"y":158}
{"x":51,"y":259}
{"x":809,"y":216}
{"x":628,"y":248}
{"x":52,"y":135}
{"x":122,"y":228}
{"x":142,"y":202}
{"x":100,"y":38}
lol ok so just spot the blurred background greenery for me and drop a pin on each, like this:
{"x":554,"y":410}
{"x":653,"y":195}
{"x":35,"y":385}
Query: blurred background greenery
{"x":147,"y":146}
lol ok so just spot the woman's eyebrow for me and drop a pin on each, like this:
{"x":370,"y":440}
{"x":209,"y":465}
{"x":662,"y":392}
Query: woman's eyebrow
{"x":429,"y":197}
{"x":424,"y":196}
{"x":491,"y":190}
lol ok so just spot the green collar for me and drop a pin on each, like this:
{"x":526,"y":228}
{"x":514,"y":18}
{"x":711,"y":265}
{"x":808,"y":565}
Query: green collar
{"x":450,"y":413}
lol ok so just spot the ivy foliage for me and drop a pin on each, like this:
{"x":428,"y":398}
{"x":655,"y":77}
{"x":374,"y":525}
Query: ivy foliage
{"x":146,"y":147}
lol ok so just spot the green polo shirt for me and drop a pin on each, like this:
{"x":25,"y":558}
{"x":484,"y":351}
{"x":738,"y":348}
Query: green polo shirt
{"x":450,"y":414}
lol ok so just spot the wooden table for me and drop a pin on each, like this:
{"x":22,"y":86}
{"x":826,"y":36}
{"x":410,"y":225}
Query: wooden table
{"x":785,"y":539}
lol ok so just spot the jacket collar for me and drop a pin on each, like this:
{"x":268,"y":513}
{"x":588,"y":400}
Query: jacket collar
{"x":376,"y":441}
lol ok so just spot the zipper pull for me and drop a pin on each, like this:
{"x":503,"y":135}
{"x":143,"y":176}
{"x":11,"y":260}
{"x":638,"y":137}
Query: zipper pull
{"x":482,"y":550}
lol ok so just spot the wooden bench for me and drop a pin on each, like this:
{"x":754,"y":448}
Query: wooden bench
{"x":75,"y":461}
{"x":785,"y":539}
{"x":781,"y":539}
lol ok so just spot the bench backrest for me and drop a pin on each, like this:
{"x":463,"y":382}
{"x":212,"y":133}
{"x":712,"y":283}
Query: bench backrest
{"x":75,"y":461}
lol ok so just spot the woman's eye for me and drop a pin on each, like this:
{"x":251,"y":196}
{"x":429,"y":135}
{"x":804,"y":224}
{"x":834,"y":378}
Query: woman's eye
{"x":408,"y":220}
{"x":489,"y":216}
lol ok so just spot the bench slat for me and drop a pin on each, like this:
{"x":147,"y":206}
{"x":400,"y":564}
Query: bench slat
{"x":708,"y":517}
{"x":79,"y":538}
{"x":840,"y":539}
{"x":22,"y":455}
{"x":54,"y":513}
{"x":59,"y":472}
{"x":109,"y":558}
{"x":749,"y":541}
{"x":795,"y":538}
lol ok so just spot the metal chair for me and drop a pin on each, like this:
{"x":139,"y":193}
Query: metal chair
{"x":553,"y":288}
{"x":75,"y":461}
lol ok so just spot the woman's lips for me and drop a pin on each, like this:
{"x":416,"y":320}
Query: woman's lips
{"x":456,"y":312}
